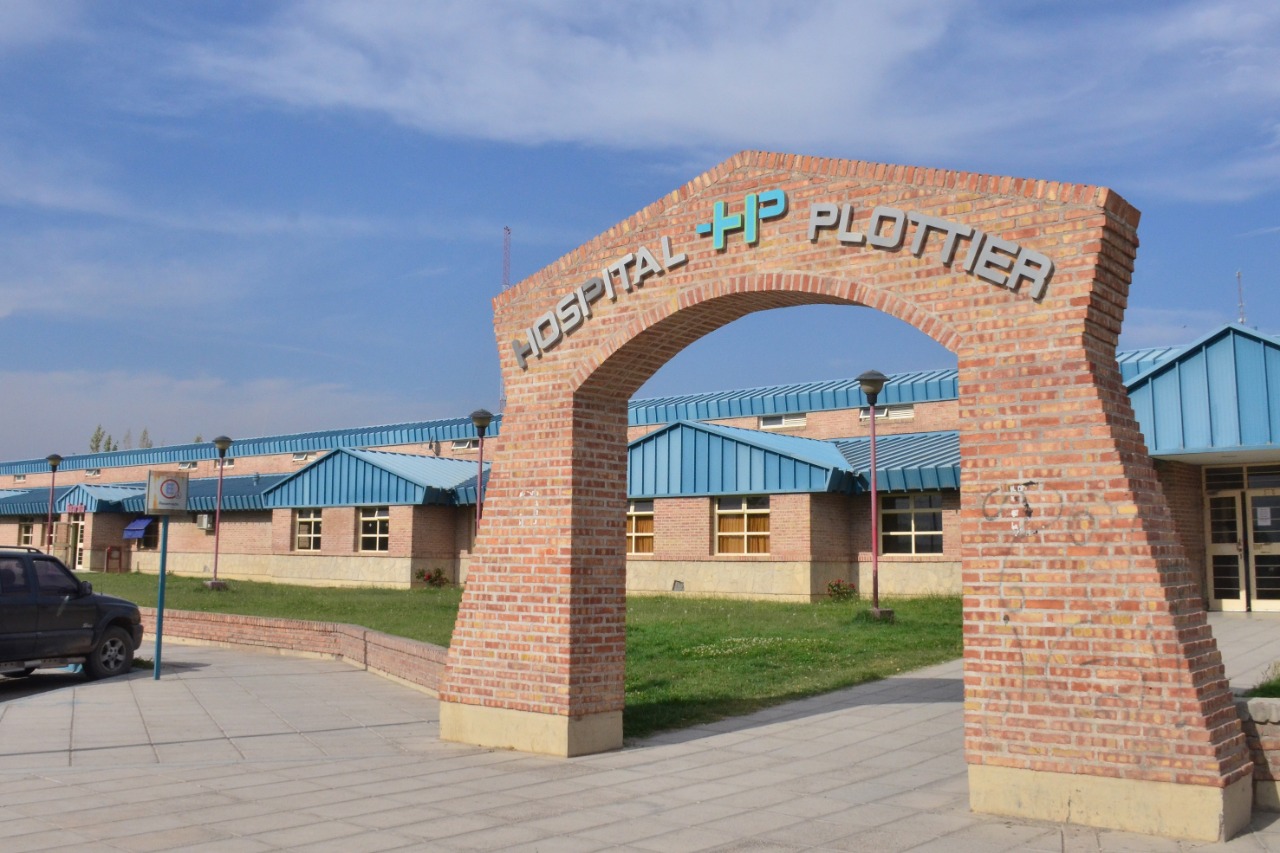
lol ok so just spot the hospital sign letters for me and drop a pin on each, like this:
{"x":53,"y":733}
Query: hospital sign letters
{"x":993,"y":259}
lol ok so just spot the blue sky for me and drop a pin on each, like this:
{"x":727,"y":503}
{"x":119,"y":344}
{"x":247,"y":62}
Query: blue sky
{"x":260,"y":217}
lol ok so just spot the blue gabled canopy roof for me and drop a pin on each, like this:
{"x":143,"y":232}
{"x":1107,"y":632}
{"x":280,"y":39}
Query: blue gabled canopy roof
{"x":372,"y":478}
{"x":95,"y":498}
{"x":918,"y":461}
{"x":1221,"y":393}
{"x":690,"y":458}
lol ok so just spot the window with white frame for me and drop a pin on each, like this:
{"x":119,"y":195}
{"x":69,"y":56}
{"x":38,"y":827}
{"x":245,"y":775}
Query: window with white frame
{"x":466,"y":444}
{"x":911,"y":523}
{"x":306,"y":530}
{"x":186,"y":466}
{"x":19,"y":478}
{"x":303,"y":457}
{"x":226,"y":463}
{"x":640,"y":527}
{"x":898,"y":412}
{"x":742,"y":525}
{"x":26,"y":532}
{"x":375,"y":528}
{"x":793,"y":421}
{"x":93,"y":472}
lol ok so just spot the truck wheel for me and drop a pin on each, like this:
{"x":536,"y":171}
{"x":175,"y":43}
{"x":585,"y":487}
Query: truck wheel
{"x":112,"y":656}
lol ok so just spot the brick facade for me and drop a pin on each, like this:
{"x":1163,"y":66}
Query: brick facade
{"x":1085,"y":649}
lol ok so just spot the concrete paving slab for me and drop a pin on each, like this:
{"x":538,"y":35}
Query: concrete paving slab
{"x":234,"y":750}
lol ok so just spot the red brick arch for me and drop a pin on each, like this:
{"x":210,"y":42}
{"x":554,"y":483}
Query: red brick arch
{"x":1088,"y":663}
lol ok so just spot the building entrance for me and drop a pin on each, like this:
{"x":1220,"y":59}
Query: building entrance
{"x":1244,"y":550}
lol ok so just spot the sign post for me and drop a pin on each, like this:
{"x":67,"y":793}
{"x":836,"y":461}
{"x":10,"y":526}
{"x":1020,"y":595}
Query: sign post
{"x":166,"y":494}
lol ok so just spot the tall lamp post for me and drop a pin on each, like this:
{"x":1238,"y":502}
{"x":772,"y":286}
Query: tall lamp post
{"x":54,"y":461}
{"x":222,"y":443}
{"x":480,"y":418}
{"x":871,"y":383}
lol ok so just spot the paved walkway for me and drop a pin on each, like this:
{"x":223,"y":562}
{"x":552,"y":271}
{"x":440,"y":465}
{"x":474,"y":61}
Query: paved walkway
{"x":237,"y":751}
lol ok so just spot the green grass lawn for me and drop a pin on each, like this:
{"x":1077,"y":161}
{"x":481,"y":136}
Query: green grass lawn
{"x":689,"y":660}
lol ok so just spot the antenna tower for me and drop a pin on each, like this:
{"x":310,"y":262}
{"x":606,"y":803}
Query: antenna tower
{"x":1240,"y":295}
{"x":506,"y":256}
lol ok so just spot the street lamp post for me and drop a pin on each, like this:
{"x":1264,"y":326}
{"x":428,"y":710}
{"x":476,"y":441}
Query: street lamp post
{"x":222,"y":443}
{"x":871,"y":383}
{"x":54,"y":461}
{"x":480,"y":418}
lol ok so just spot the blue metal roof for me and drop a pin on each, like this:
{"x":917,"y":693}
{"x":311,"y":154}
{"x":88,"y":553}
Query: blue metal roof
{"x":915,"y":387}
{"x":240,"y":493}
{"x":918,"y":461}
{"x":417,"y":432}
{"x":690,"y":458}
{"x":31,"y":501}
{"x":372,"y":478}
{"x":1220,"y":393}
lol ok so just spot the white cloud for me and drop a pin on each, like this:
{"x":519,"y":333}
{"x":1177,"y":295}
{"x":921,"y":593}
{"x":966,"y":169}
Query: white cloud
{"x":945,"y":82}
{"x":173,"y":410}
{"x":27,"y":23}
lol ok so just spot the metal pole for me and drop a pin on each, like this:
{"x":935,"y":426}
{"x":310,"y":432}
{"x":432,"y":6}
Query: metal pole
{"x":222,"y":443}
{"x":875,"y":514}
{"x":217,"y":518}
{"x":164,"y":553}
{"x":480,"y":484}
{"x":54,"y":460}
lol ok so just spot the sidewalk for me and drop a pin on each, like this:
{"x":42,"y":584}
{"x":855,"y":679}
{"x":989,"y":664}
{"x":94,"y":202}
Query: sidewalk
{"x":242,"y":751}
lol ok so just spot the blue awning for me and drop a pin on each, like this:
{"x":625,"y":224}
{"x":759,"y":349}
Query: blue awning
{"x":135,"y":529}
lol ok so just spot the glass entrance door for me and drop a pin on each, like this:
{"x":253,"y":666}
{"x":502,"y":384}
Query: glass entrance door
{"x":1226,"y":553}
{"x":1264,"y":548}
{"x":77,"y":541}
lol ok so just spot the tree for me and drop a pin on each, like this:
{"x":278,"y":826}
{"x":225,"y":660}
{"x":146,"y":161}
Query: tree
{"x":95,"y":440}
{"x":128,"y":439}
{"x":199,"y":439}
{"x":144,"y":440}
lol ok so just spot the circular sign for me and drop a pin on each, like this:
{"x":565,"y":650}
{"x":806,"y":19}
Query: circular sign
{"x":169,"y":489}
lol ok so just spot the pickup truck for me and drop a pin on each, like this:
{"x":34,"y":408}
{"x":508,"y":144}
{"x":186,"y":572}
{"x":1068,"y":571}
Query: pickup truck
{"x":51,"y":618}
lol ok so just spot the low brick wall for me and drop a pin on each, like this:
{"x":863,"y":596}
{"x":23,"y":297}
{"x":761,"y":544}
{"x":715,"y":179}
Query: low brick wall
{"x":1261,"y":718}
{"x":416,"y":663}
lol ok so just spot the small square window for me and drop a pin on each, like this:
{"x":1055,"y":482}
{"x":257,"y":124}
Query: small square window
{"x":375,"y":529}
{"x":186,"y":466}
{"x":640,"y":527}
{"x":93,"y":472}
{"x":19,"y":478}
{"x":466,"y":444}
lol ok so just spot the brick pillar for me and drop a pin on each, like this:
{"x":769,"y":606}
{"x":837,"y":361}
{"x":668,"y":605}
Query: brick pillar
{"x":537,"y":655}
{"x":1094,"y":691}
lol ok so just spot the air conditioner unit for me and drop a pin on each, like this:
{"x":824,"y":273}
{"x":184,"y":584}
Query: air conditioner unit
{"x":204,"y":521}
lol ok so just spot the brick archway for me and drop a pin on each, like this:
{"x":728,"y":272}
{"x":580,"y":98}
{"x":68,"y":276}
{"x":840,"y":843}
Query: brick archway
{"x":1092,"y":683}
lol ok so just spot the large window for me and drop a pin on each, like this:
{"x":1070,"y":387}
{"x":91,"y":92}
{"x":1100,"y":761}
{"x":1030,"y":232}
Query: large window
{"x":375,"y":528}
{"x":640,"y":527}
{"x":911,"y":523}
{"x":742,"y":525}
{"x":306,"y":530}
{"x":26,"y":532}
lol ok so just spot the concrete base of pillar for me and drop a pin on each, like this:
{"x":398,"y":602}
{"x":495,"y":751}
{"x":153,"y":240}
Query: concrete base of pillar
{"x":1199,"y":812}
{"x":526,"y":731}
